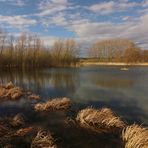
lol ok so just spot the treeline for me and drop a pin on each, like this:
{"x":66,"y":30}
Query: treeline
{"x":28,"y":50}
{"x":117,"y":50}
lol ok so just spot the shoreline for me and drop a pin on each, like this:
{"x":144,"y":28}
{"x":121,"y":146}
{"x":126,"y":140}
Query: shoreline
{"x":112,"y":64}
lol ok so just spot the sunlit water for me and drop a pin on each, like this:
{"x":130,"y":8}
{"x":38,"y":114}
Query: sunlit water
{"x":125,"y":92}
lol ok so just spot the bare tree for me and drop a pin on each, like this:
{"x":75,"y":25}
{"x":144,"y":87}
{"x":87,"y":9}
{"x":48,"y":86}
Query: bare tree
{"x":109,"y":50}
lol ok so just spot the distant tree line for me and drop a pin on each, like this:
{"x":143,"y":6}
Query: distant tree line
{"x":28,"y":50}
{"x":117,"y":50}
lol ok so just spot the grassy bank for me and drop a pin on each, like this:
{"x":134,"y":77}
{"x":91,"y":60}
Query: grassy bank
{"x":86,"y":63}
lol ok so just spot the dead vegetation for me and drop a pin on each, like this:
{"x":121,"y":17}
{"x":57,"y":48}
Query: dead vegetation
{"x":10,"y":133}
{"x":100,"y":121}
{"x":135,"y":136}
{"x":43,"y":139}
{"x":96,"y":120}
{"x":18,"y":120}
{"x":23,"y":131}
{"x":11,"y":92}
{"x":54,"y":104}
{"x":34,"y":97}
{"x":5,"y":134}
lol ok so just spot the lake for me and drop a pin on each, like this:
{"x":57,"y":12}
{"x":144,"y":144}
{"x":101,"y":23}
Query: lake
{"x":125,"y":92}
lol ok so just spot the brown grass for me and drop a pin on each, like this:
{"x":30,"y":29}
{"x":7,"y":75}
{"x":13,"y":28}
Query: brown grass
{"x":135,"y":136}
{"x":100,"y":121}
{"x":23,"y":131}
{"x":43,"y":140}
{"x":9,"y":91}
{"x":34,"y":97}
{"x":18,"y":120}
{"x":54,"y":104}
{"x":5,"y":134}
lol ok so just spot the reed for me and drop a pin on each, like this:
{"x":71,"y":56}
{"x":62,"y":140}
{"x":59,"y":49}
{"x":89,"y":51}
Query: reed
{"x":5,"y":134}
{"x":23,"y":131}
{"x":54,"y":104}
{"x":43,"y":139}
{"x":34,"y":97}
{"x":100,"y":121}
{"x":18,"y":120}
{"x":9,"y":91}
{"x":135,"y":136}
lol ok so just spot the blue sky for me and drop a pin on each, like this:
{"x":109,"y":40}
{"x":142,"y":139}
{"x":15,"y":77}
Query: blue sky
{"x":84,"y":20}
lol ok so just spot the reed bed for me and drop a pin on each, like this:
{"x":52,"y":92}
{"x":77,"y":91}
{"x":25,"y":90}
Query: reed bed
{"x":54,"y":104}
{"x":135,"y":136}
{"x":43,"y":139}
{"x":100,"y":121}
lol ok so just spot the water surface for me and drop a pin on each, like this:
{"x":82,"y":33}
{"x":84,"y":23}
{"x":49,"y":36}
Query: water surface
{"x":125,"y":92}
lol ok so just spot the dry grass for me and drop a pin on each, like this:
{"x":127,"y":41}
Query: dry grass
{"x":5,"y":134}
{"x":43,"y":140}
{"x":9,"y":91}
{"x":18,"y":120}
{"x":3,"y":130}
{"x":34,"y":97}
{"x":23,"y":131}
{"x":54,"y":104}
{"x":100,"y":121}
{"x":135,"y":136}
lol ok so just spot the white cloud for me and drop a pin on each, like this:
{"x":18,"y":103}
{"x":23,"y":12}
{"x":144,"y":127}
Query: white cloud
{"x":49,"y":40}
{"x":145,"y":3}
{"x":104,"y":8}
{"x":135,"y":30}
{"x":61,"y":13}
{"x":48,"y":7}
{"x":17,"y":21}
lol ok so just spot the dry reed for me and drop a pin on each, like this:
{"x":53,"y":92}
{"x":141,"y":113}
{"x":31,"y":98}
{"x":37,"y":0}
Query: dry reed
{"x":34,"y":97}
{"x":54,"y":104}
{"x":9,"y":91}
{"x":5,"y":134}
{"x":43,"y":140}
{"x":18,"y":120}
{"x":135,"y":136}
{"x":23,"y":131}
{"x":100,"y":121}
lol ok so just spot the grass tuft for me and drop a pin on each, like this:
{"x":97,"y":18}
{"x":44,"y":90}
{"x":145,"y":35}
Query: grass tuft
{"x":100,"y":121}
{"x":135,"y":136}
{"x":54,"y":104}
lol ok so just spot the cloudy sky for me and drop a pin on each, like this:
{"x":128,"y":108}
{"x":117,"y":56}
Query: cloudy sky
{"x":84,"y":20}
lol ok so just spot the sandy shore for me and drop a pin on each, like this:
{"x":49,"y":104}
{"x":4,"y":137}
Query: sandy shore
{"x":112,"y":64}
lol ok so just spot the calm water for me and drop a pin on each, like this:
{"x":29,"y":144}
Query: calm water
{"x":126,"y":92}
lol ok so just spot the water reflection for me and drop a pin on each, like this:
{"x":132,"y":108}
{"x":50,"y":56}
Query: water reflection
{"x":43,"y":81}
{"x":123,"y":91}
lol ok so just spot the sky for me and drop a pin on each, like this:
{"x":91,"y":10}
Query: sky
{"x":86,"y":21}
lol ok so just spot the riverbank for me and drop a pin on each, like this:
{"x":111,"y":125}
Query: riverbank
{"x":112,"y":64}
